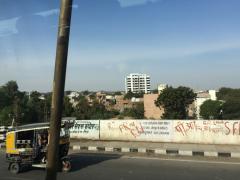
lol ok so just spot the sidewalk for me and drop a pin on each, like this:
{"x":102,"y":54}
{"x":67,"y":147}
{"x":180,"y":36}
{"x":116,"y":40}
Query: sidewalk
{"x":158,"y":148}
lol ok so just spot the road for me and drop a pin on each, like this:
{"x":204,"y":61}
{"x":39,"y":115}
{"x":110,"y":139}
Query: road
{"x":88,"y":166}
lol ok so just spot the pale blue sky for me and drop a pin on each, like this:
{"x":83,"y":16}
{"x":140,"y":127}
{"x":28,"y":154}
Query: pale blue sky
{"x":178,"y":42}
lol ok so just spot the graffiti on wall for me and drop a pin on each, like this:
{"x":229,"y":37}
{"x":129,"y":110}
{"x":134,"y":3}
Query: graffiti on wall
{"x":223,"y":127}
{"x":140,"y":128}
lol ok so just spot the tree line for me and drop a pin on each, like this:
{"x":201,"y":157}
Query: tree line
{"x":34,"y":107}
{"x":176,"y":102}
{"x":22,"y":107}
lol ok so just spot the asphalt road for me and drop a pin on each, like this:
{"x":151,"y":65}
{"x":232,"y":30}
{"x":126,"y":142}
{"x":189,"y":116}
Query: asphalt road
{"x":117,"y":167}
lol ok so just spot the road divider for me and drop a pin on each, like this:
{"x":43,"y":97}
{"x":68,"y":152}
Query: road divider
{"x":156,"y":151}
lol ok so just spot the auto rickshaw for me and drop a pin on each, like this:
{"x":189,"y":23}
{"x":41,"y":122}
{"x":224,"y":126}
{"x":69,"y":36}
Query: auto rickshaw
{"x":26,"y":146}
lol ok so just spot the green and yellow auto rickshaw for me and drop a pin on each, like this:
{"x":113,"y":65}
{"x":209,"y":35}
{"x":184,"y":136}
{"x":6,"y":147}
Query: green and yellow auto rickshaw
{"x":26,"y":146}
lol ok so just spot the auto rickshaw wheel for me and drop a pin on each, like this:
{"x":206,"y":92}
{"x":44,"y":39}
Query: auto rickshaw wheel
{"x":14,"y":168}
{"x":66,"y":166}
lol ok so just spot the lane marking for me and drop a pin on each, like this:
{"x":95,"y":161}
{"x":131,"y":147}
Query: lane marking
{"x":183,"y":160}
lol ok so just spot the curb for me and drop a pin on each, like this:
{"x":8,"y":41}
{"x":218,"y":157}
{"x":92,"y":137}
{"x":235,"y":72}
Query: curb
{"x":157,"y":151}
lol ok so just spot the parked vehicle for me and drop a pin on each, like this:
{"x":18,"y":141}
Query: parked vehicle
{"x":26,"y":146}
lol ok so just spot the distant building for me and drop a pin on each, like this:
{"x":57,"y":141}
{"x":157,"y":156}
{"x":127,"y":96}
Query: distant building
{"x":151,"y":111}
{"x":72,"y":97}
{"x":137,"y":83}
{"x":122,"y":103}
{"x":203,"y":96}
{"x":161,"y":87}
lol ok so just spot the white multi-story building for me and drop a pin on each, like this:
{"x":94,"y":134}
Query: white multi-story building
{"x":137,"y":83}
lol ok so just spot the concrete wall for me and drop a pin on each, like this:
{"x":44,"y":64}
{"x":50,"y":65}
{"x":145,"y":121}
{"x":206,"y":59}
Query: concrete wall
{"x":136,"y":130}
{"x":207,"y":131}
{"x":176,"y":131}
{"x":85,"y":129}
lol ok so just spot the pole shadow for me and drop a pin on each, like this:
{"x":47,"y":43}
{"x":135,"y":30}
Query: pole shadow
{"x":82,"y":160}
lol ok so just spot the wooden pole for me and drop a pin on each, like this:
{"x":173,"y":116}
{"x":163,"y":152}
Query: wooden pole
{"x":58,"y":88}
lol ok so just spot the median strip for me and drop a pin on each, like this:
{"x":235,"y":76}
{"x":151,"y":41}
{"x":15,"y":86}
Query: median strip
{"x":157,"y":151}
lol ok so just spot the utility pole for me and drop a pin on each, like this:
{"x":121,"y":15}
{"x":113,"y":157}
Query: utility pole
{"x":58,"y":88}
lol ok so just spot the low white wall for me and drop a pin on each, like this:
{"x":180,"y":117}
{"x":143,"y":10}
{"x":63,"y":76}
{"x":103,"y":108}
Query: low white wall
{"x":85,"y":129}
{"x":207,"y":131}
{"x":176,"y":131}
{"x":136,"y":130}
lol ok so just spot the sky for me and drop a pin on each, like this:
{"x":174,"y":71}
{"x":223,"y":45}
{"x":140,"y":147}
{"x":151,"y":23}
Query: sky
{"x":177,"y":42}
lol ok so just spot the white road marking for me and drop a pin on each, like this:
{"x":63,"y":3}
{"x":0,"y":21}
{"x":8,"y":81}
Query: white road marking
{"x":183,"y":160}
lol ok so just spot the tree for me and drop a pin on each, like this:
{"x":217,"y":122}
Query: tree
{"x":117,"y":93}
{"x":82,"y":109}
{"x":11,"y":89}
{"x":231,"y":99}
{"x":10,"y":106}
{"x":231,"y":109}
{"x":130,"y":95}
{"x":136,"y":112}
{"x":5,"y":118}
{"x":175,"y":102}
{"x":86,"y":92}
{"x":8,"y":93}
{"x":68,"y":109}
{"x":211,"y":109}
{"x":4,"y":101}
{"x":227,"y":94}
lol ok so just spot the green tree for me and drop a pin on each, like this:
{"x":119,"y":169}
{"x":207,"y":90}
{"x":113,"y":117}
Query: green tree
{"x":175,"y":102}
{"x":4,"y":101}
{"x":99,"y":111}
{"x":5,"y":118}
{"x":136,"y":112}
{"x":20,"y":106}
{"x":231,"y":109}
{"x":82,"y":109}
{"x":37,"y":108}
{"x":86,"y":92}
{"x":117,"y":93}
{"x":130,"y":95}
{"x":8,"y":93}
{"x":231,"y":99}
{"x":68,"y":109}
{"x":227,"y":94}
{"x":211,"y":109}
{"x":11,"y":90}
{"x":10,"y":102}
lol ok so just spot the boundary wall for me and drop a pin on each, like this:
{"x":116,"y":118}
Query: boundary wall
{"x":171,"y":131}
